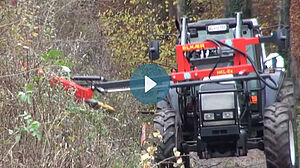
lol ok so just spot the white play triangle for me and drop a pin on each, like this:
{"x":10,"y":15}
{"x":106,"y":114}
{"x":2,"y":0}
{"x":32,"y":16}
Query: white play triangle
{"x":149,"y":84}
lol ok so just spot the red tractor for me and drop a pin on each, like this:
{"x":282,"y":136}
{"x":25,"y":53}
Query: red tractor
{"x":223,"y":100}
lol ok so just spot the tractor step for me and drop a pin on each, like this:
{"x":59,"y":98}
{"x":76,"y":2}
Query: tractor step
{"x":189,"y":146}
{"x":255,"y":143}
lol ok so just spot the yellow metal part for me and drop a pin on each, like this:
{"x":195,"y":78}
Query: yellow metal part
{"x":106,"y":106}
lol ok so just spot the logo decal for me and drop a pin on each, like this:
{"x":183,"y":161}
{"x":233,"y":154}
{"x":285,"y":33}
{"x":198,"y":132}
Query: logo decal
{"x":187,"y":76}
{"x":225,"y":72}
{"x":193,"y":47}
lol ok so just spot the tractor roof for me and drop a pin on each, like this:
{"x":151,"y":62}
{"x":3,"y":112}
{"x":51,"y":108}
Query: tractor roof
{"x":230,"y":21}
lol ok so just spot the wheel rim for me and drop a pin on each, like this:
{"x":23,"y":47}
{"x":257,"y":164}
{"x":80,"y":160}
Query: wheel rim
{"x":292,"y":143}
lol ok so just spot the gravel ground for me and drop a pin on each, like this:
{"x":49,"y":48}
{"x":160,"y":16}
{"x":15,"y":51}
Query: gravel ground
{"x":254,"y":159}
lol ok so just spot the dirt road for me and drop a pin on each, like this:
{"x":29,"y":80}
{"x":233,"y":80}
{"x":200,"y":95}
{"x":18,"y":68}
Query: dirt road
{"x":255,"y":159}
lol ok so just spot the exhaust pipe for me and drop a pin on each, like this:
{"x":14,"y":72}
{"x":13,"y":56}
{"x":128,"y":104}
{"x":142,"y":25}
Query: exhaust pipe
{"x":239,"y":24}
{"x":183,"y":31}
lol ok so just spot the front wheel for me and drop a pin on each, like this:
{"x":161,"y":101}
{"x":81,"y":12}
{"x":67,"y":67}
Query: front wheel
{"x":166,"y":122}
{"x":280,"y":131}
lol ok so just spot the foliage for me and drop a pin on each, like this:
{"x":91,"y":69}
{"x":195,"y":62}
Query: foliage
{"x":57,"y":57}
{"x":30,"y":127}
{"x":41,"y":124}
{"x":150,"y":148}
{"x":131,"y":29}
{"x":130,"y":35}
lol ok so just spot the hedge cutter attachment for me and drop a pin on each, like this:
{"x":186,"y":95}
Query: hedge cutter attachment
{"x":82,"y":93}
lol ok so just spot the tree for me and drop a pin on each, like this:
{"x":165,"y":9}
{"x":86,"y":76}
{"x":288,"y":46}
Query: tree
{"x":237,"y":6}
{"x":295,"y":38}
{"x":181,"y":8}
{"x":284,"y":21}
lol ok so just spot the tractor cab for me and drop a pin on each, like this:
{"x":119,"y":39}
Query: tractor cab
{"x":220,"y":29}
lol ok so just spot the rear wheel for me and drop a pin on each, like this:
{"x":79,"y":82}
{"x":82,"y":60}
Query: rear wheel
{"x":280,"y":140}
{"x":286,"y":95}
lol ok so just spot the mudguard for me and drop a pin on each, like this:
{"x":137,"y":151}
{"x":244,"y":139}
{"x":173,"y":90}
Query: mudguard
{"x":271,"y":94}
{"x":170,"y":101}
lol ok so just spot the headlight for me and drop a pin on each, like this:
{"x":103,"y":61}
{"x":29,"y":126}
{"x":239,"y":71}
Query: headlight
{"x":227,"y":115}
{"x":217,"y":101}
{"x":209,"y":116}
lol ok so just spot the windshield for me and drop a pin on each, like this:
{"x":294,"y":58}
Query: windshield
{"x":203,"y":35}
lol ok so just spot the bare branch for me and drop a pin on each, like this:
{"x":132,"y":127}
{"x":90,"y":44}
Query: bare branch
{"x":167,"y":160}
{"x":10,"y":24}
{"x":69,"y":3}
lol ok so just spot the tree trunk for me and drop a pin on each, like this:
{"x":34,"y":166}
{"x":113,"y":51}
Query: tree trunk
{"x":233,"y":6}
{"x":172,"y":10}
{"x":162,"y":12}
{"x":284,"y":20}
{"x":181,"y":9}
{"x":247,"y":9}
{"x":295,"y":38}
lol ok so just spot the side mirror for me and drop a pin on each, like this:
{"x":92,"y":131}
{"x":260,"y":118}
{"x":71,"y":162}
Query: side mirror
{"x":278,"y":37}
{"x":281,"y":37}
{"x":154,"y":50}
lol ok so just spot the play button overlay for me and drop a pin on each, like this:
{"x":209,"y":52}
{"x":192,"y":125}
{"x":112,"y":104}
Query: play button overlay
{"x":149,"y":83}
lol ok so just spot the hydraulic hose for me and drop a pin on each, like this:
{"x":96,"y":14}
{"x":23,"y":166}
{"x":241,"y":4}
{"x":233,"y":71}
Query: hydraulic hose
{"x":275,"y":87}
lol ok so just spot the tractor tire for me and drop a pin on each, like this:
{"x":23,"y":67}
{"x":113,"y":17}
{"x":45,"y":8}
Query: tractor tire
{"x":280,"y":131}
{"x":286,"y":95}
{"x":165,"y":123}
